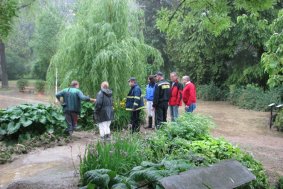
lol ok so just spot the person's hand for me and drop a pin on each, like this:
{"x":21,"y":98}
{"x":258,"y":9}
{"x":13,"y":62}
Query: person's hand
{"x":93,"y":100}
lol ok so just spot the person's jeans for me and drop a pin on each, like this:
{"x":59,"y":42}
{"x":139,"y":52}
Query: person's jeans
{"x":72,"y":120}
{"x":161,"y":113}
{"x":135,"y":120}
{"x":174,"y":112}
{"x":191,"y":108}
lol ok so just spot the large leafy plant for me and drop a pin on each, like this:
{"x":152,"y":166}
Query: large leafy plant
{"x":28,"y":120}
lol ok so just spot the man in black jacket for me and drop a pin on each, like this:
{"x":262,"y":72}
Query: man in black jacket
{"x":161,"y":98}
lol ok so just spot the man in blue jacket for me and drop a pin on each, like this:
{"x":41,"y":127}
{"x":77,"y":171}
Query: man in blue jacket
{"x":71,"y":104}
{"x":134,"y":103}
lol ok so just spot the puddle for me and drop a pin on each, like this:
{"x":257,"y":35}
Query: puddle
{"x":9,"y":174}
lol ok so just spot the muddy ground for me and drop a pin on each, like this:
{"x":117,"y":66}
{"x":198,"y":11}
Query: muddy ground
{"x":245,"y":128}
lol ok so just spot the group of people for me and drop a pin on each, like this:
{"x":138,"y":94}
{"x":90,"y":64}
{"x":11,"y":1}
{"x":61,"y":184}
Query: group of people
{"x":160,"y":94}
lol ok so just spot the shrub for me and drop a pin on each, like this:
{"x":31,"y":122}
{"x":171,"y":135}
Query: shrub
{"x":22,"y":83}
{"x":28,"y":120}
{"x":279,"y":184}
{"x":119,"y":156}
{"x":40,"y":86}
{"x":121,"y":117}
{"x":279,"y":120}
{"x":86,"y":118}
{"x":253,"y":97}
{"x":211,"y":92}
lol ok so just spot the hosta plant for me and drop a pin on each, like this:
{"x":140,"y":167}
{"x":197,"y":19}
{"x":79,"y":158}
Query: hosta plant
{"x":27,"y":120}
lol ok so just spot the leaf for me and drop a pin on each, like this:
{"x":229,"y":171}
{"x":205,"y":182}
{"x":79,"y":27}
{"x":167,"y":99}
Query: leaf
{"x":43,"y":120}
{"x":13,"y":128}
{"x":100,"y":179}
{"x":26,"y":123}
{"x":120,"y":186}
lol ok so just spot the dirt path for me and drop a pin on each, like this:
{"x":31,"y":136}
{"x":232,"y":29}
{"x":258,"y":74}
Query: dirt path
{"x":249,"y":130}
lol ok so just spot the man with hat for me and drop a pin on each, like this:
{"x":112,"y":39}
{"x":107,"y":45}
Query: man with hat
{"x":161,"y":99}
{"x":134,"y":103}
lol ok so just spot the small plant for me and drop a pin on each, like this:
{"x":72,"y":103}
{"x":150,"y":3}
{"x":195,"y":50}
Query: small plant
{"x":40,"y":86}
{"x":119,"y":156}
{"x":22,"y":84}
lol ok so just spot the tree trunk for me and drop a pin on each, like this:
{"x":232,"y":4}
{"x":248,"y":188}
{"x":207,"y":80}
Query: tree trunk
{"x":4,"y":75}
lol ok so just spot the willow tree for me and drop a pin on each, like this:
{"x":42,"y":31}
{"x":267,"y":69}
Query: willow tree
{"x":105,"y":42}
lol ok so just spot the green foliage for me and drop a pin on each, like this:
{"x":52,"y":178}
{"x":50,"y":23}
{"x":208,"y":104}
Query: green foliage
{"x":254,"y":98}
{"x":119,"y":156}
{"x":15,"y":66}
{"x":147,"y":173}
{"x":175,"y":148}
{"x":220,"y":40}
{"x":86,"y":117}
{"x":27,"y":120}
{"x":280,"y":183}
{"x":279,"y":120}
{"x":40,"y":86}
{"x":8,"y":10}
{"x":211,"y":92}
{"x":105,"y":42}
{"x":22,"y":83}
{"x":121,"y":117}
{"x":45,"y":40}
{"x":273,"y":59}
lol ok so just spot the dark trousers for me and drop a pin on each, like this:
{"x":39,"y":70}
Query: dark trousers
{"x":72,"y":120}
{"x":135,"y":118}
{"x":161,"y":114}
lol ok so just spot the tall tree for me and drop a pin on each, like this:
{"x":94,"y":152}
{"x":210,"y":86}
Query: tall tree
{"x":8,"y":9}
{"x":45,"y":39}
{"x":104,"y":43}
{"x":220,"y":41}
{"x":273,"y":59}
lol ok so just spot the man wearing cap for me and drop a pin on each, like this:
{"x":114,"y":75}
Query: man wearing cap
{"x":161,"y":99}
{"x":71,"y":104}
{"x":134,"y":103}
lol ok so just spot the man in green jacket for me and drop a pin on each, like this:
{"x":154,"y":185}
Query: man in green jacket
{"x":71,"y":104}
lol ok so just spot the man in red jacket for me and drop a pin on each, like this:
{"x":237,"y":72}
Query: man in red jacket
{"x":189,"y":94}
{"x":175,"y":96}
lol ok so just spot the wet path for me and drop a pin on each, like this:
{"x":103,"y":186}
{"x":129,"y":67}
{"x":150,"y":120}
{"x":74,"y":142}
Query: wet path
{"x":50,"y":168}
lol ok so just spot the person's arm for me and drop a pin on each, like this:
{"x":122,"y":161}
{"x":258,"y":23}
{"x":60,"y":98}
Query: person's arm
{"x":83,"y":97}
{"x":99,"y":101}
{"x":59,"y":95}
{"x":137,"y":98}
{"x":185,"y":95}
{"x":156,"y":96}
{"x":180,"y":91}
